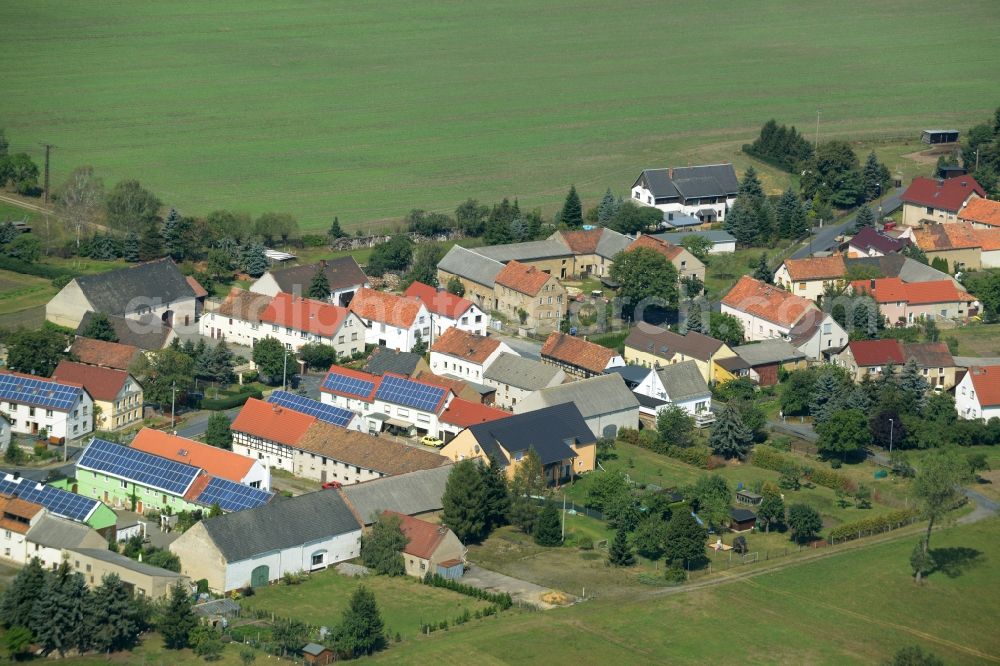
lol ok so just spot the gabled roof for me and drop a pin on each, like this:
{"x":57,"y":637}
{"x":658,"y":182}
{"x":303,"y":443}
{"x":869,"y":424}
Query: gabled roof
{"x":471,"y":266}
{"x":243,"y":305}
{"x":945,"y":194}
{"x":546,"y":430}
{"x":981,"y":211}
{"x":101,"y":383}
{"x":896,"y":265}
{"x":424,"y":538}
{"x":692,"y":182}
{"x":668,"y":250}
{"x":24,"y":389}
{"x":279,"y":525}
{"x":816,"y":268}
{"x":385,"y":308}
{"x":713,"y":235}
{"x":632,"y":374}
{"x":767,"y":302}
{"x":351,"y":383}
{"x":683,"y":381}
{"x":120,"y":291}
{"x":894,"y":290}
{"x":199,"y":291}
{"x":102,"y":353}
{"x":272,"y":422}
{"x":456,"y":384}
{"x":304,"y":314}
{"x":666,"y":344}
{"x":16,"y":514}
{"x":523,"y":373}
{"x":767,"y":352}
{"x":145,"y":332}
{"x":876,"y":352}
{"x":341,"y":273}
{"x":385,"y":360}
{"x":527,"y":251}
{"x":415,"y":492}
{"x":465,"y":345}
{"x":400,"y":390}
{"x":381,"y":454}
{"x":523,"y":278}
{"x":54,"y":532}
{"x":869,"y":238}
{"x":438,"y":301}
{"x":953,"y":236}
{"x":929,"y":354}
{"x":577,"y":351}
{"x":217,"y":462}
{"x":464,"y":413}
{"x":986,"y":383}
{"x":601,"y":241}
{"x":602,"y":394}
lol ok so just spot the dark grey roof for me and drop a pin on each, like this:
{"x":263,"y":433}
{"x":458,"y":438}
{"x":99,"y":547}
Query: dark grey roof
{"x":602,"y":394}
{"x":145,"y":332}
{"x":899,"y":266}
{"x":712,"y":180}
{"x":385,"y":360}
{"x":740,"y":514}
{"x":279,"y":525}
{"x":546,"y":430}
{"x":520,"y":372}
{"x":660,"y":342}
{"x":713,"y":235}
{"x":314,"y":649}
{"x":467,"y":264}
{"x":611,"y":243}
{"x":683,"y":381}
{"x":529,"y":251}
{"x":412,"y":493}
{"x":341,"y":273}
{"x":679,"y":220}
{"x":648,"y":401}
{"x":767,"y":352}
{"x":127,"y":289}
{"x":632,"y":374}
{"x":120,"y":560}
{"x":54,"y":532}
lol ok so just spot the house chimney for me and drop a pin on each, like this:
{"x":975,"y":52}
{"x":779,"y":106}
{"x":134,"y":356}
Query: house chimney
{"x":871,"y":284}
{"x":670,"y":173}
{"x":940,"y":182}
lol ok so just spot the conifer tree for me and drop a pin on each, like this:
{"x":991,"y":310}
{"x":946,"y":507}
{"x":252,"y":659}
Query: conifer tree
{"x":253,"y":260}
{"x":361,"y":628}
{"x":762,"y":271}
{"x":222,"y":364}
{"x":864,"y":218}
{"x":826,"y":397}
{"x":173,"y":241}
{"x":913,"y":384}
{"x":178,"y":619}
{"x":607,"y":208}
{"x":685,"y":539}
{"x":497,"y":494}
{"x":874,"y":176}
{"x":620,"y":552}
{"x":130,"y":247}
{"x":335,"y":231}
{"x":730,"y":438}
{"x":19,"y":599}
{"x":741,"y":221}
{"x":150,"y":243}
{"x":319,"y":288}
{"x":528,"y":483}
{"x":750,"y":186}
{"x":548,"y":527}
{"x":114,"y":620}
{"x":572,"y":210}
{"x":58,"y":621}
{"x":791,"y":216}
{"x":694,"y":320}
{"x":464,"y":502}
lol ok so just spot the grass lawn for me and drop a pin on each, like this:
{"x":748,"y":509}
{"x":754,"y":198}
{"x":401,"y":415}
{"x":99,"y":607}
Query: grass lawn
{"x":322,"y":109}
{"x":976,"y":339}
{"x":857,"y":606}
{"x":404,"y":601}
{"x":723,"y":270}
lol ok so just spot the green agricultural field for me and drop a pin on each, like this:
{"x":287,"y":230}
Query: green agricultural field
{"x":366,"y":110}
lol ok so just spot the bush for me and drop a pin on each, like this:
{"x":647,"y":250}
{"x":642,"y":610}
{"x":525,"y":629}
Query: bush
{"x":830,"y":479}
{"x":767,"y":457}
{"x":890,"y":521}
{"x":500,"y":600}
{"x":228,"y":402}
{"x":313,"y":240}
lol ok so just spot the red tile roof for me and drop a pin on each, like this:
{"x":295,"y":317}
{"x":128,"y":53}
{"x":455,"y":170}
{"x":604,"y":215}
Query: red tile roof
{"x":18,"y":509}
{"x":989,"y":239}
{"x":876,"y":352}
{"x":354,"y":374}
{"x":986,"y":383}
{"x":199,"y":291}
{"x":577,"y":351}
{"x":197,"y":487}
{"x":953,"y":236}
{"x":465,"y":413}
{"x":101,"y":383}
{"x":582,"y":242}
{"x":767,"y":302}
{"x":456,"y":385}
{"x":894,"y":290}
{"x":304,"y":314}
{"x":465,"y":345}
{"x":668,"y":250}
{"x":948,"y":194}
{"x":215,"y":461}
{"x":439,"y":302}
{"x":981,"y":211}
{"x":816,"y":268}
{"x":424,"y":537}
{"x":271,"y":422}
{"x":522,"y":277}
{"x":384,"y":307}
{"x":107,"y":354}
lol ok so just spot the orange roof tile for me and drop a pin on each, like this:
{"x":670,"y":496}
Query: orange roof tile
{"x":816,"y":268}
{"x":668,"y":250}
{"x":304,"y":314}
{"x":428,"y":377}
{"x":424,"y":538}
{"x":767,"y":302}
{"x":19,"y":507}
{"x":199,"y":291}
{"x":197,"y":487}
{"x":272,"y":422}
{"x":385,"y":308}
{"x":989,"y":239}
{"x":215,"y":461}
{"x":953,"y":236}
{"x":981,"y":211}
{"x":522,"y":277}
{"x":577,"y":351}
{"x":465,"y":345}
{"x":438,"y":301}
{"x":582,"y":242}
{"x":986,"y":382}
{"x":465,"y":413}
{"x":894,"y":290}
{"x":102,"y":353}
{"x":101,"y":383}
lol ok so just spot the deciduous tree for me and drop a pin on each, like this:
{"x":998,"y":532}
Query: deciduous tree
{"x":425,"y":261}
{"x":844,"y":433}
{"x":219,"y":432}
{"x":646,"y":279}
{"x":685,"y":543}
{"x":675,"y":426}
{"x":393,"y":255}
{"x":318,"y":356}
{"x":528,"y":482}
{"x":269,"y":357}
{"x":131,"y":207}
{"x":650,"y":537}
{"x":80,"y":199}
{"x":771,"y":510}
{"x":99,"y":328}
{"x":938,"y":487}
{"x":711,"y":496}
{"x":804,"y":522}
{"x":382,"y":548}
{"x":36,"y":352}
{"x":726,"y":327}
{"x":456,"y":287}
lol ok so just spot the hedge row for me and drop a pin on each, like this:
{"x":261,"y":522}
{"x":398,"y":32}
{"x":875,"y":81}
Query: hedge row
{"x":37,"y":269}
{"x":219,"y":404}
{"x":830,"y":479}
{"x":696,"y":456}
{"x":767,"y":457}
{"x":501,"y":599}
{"x":890,"y":521}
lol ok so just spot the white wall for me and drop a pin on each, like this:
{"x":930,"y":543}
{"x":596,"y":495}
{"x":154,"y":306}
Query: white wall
{"x":270,"y":454}
{"x":967,"y":404}
{"x":652,"y":387}
{"x":13,"y":546}
{"x":755,"y":328}
{"x":829,"y":336}
{"x":292,"y":560}
{"x":259,"y":475}
{"x":76,"y":422}
{"x":610,"y":423}
{"x":323,"y":469}
{"x":641,"y":195}
{"x":266,"y":284}
{"x":467,"y":321}
{"x":446,"y":364}
{"x":348,"y":339}
{"x":231,"y":329}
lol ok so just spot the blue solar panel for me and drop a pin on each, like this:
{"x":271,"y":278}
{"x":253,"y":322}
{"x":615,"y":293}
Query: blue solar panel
{"x":138,"y":466}
{"x":328,"y":413}
{"x":352,"y":385}
{"x":232,"y":496}
{"x":401,"y":391}
{"x":39,"y":393}
{"x":58,"y":501}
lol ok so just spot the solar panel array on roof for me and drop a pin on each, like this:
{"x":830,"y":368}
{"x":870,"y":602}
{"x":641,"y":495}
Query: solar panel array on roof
{"x":328,"y":413}
{"x":413,"y":394}
{"x":232,"y":496}
{"x":344,"y":384}
{"x":139,"y":466}
{"x":58,"y":501}
{"x":39,"y":393}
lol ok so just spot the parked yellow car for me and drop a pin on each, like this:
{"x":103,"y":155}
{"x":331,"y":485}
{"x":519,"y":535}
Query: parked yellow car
{"x":431,"y":440}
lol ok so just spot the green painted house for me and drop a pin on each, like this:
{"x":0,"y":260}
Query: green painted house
{"x":61,"y":500}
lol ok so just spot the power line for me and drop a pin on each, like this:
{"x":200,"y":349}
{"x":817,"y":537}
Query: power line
{"x":48,"y":150}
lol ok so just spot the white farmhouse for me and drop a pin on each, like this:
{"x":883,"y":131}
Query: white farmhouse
{"x":703,"y":192}
{"x":35,"y":404}
{"x":977,"y":396}
{"x":236,"y":319}
{"x":765,"y":311}
{"x":296,"y":321}
{"x":392,"y":321}
{"x":465,"y":355}
{"x":448,"y":310}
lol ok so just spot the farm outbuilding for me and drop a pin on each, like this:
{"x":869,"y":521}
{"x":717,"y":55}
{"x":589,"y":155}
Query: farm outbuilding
{"x":742,"y":520}
{"x":936,"y":136}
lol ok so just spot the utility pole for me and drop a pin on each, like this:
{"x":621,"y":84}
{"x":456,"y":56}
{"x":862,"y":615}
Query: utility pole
{"x":816,"y":142}
{"x":563,"y":536}
{"x":48,"y":150}
{"x":891,"y":424}
{"x":173,"y":403}
{"x":284,"y":372}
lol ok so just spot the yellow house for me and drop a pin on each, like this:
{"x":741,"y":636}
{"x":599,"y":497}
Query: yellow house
{"x":117,"y":395}
{"x":559,"y":435}
{"x":811,"y":276}
{"x":651,"y":347}
{"x":525,"y":291}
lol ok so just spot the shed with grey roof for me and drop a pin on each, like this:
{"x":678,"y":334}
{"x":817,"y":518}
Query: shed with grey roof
{"x":59,"y":533}
{"x":605,"y":402}
{"x":514,"y":378}
{"x":413,"y":494}
{"x":722,"y":242}
{"x":137,"y":577}
{"x":529,"y":251}
{"x":467,"y":264}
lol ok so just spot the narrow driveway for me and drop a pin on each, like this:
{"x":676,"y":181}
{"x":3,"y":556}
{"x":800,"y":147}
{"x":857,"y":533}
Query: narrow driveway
{"x":519,"y":590}
{"x":824,"y":239}
{"x":197,"y":423}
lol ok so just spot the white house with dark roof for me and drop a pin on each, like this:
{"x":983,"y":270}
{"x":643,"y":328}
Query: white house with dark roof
{"x":343,"y":274}
{"x":604,"y":401}
{"x":679,"y":384}
{"x":515,"y":378}
{"x":35,"y":404}
{"x":705,"y":192}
